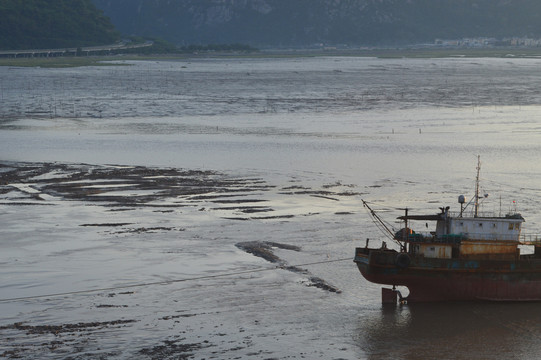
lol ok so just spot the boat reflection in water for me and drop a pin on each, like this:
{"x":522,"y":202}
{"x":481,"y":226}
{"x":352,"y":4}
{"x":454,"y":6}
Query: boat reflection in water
{"x":464,"y":330}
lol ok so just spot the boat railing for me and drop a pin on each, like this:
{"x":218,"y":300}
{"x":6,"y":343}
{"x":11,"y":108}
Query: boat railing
{"x":480,"y":214}
{"x":530,"y":239}
{"x":424,"y":237}
{"x":492,"y":236}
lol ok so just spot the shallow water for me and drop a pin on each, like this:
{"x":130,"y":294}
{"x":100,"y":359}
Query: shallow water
{"x":293,"y":144}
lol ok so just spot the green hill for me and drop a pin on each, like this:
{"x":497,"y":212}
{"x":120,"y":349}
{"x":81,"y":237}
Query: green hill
{"x":263,"y":23}
{"x":43,"y":24}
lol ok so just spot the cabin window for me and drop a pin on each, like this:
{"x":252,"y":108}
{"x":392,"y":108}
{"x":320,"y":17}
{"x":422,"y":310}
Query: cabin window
{"x":515,"y":226}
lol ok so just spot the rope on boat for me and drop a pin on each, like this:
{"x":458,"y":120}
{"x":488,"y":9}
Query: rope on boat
{"x":165,"y":282}
{"x":380,"y":224}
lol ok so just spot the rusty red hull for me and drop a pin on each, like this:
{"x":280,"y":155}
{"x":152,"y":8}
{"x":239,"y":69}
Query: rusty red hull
{"x":430,"y":280}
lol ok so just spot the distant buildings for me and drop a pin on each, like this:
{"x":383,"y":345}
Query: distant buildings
{"x":524,"y":42}
{"x":489,"y":42}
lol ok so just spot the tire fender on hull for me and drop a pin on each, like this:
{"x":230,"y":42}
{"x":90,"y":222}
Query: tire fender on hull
{"x":402,"y":260}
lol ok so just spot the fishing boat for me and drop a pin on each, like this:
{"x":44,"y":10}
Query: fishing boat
{"x":468,"y":256}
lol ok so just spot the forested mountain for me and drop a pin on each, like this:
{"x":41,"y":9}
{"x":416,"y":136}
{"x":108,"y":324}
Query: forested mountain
{"x":306,"y":22}
{"x":260,"y":23}
{"x":42,"y":24}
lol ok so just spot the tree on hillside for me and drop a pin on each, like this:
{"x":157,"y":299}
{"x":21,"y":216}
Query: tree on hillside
{"x":41,"y":24}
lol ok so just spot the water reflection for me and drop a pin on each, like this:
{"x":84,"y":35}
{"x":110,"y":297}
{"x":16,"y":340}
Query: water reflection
{"x":457,"y":331}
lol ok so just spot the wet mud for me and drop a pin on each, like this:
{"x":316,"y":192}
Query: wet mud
{"x":286,"y":156}
{"x":118,"y":190}
{"x":265,"y":250}
{"x":57,"y":340}
{"x":124,"y":188}
{"x":171,"y":350}
{"x":63,"y":328}
{"x":98,"y":183}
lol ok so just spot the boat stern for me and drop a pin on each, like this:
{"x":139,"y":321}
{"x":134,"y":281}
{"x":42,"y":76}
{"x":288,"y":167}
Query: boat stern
{"x":372,"y":263}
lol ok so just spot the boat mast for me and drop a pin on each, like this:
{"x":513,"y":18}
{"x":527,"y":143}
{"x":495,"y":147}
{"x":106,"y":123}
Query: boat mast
{"x":476,"y":208}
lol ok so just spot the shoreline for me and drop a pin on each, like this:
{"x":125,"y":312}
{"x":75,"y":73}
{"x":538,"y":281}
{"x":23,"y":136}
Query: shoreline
{"x":383,"y":53}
